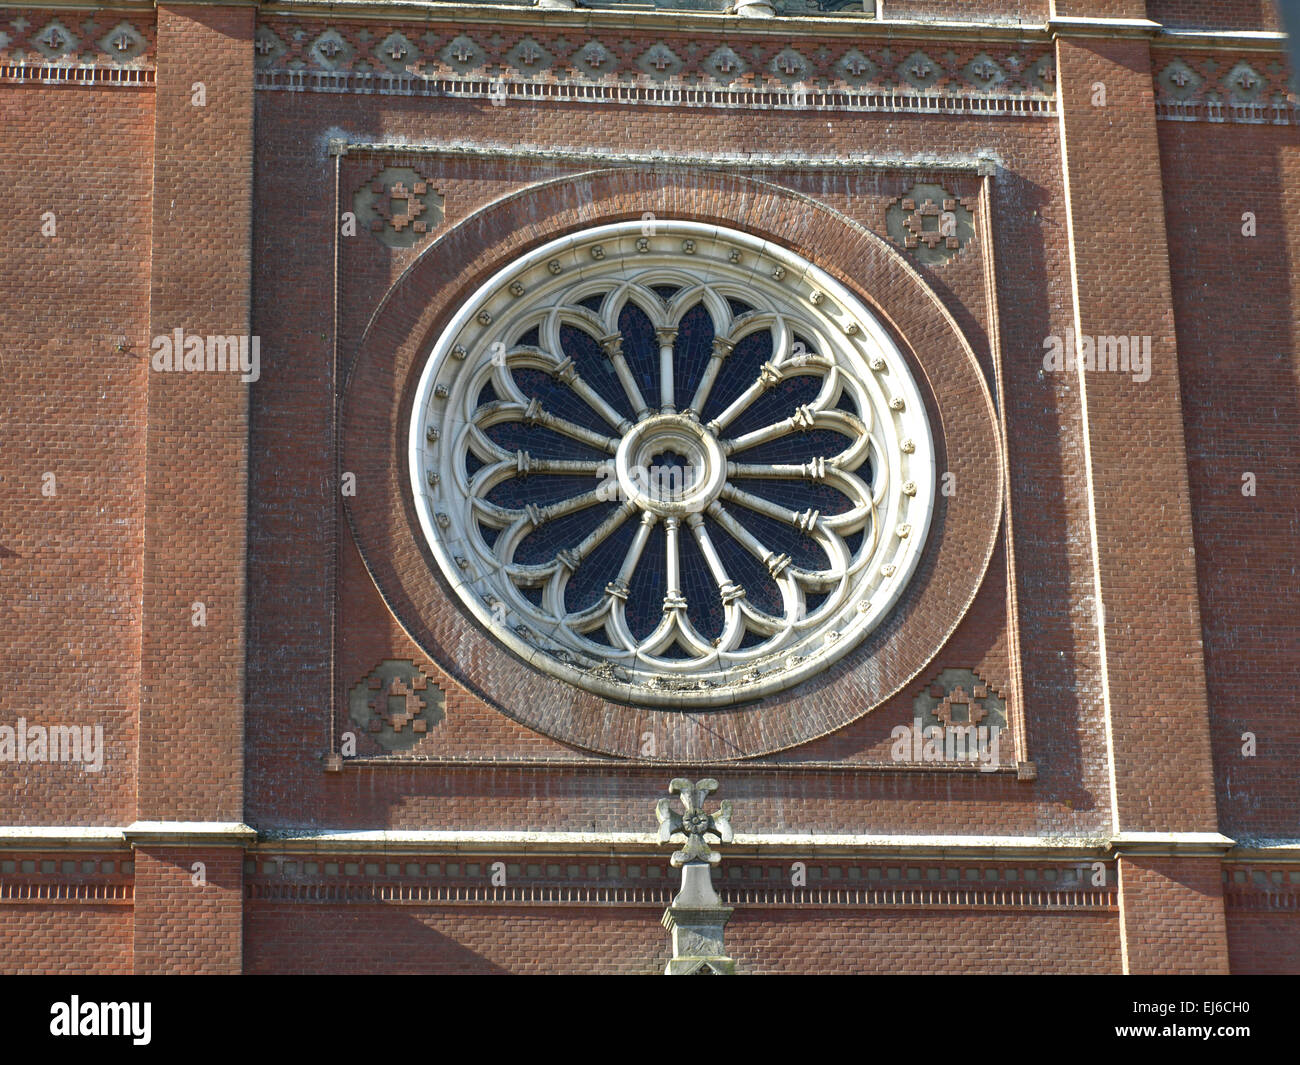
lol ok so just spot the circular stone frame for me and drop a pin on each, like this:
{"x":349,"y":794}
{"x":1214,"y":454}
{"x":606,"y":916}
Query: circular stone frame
{"x":380,"y":396}
{"x":854,"y":357}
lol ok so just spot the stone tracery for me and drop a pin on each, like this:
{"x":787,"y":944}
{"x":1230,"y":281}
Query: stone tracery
{"x":798,"y":456}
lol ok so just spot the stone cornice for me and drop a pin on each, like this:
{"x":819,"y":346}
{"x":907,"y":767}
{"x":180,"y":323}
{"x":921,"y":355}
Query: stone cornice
{"x":1222,"y":40}
{"x":840,"y":846}
{"x":189,"y":833}
{"x":1087,"y":26}
{"x":981,"y":164}
{"x":1182,"y":844}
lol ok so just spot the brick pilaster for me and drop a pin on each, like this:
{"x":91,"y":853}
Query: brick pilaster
{"x":192,"y":697}
{"x":189,"y":910}
{"x":1146,"y":604}
{"x":1171,"y":915}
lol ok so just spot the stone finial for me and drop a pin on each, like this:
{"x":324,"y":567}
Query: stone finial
{"x":696,"y":917}
{"x":697,"y":827}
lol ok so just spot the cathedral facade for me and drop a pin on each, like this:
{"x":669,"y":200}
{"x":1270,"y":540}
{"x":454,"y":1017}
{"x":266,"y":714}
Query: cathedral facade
{"x":466,"y":463}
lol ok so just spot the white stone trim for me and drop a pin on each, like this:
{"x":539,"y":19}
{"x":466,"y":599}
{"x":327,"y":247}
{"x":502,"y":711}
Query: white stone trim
{"x":838,"y":845}
{"x":744,"y":844}
{"x":189,"y":832}
{"x":984,"y":164}
{"x":78,"y":74}
{"x":1185,"y":843}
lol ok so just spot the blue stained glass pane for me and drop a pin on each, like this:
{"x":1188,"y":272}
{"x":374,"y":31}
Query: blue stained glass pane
{"x":559,"y":398}
{"x":472,"y":463}
{"x":593,"y":367}
{"x":703,"y":600}
{"x":797,"y":495}
{"x":529,"y":339}
{"x":665,"y":292}
{"x":540,"y":489}
{"x":586,"y":585}
{"x":641,"y":349}
{"x":738,"y":307}
{"x":691,"y":352}
{"x":592,"y":303}
{"x":853,"y":541}
{"x":540,"y":443}
{"x":645,"y":603}
{"x":746,"y":570}
{"x":795,"y":447}
{"x":776,"y":404}
{"x":488,"y":533}
{"x":542,"y":543}
{"x":739,"y":371}
{"x":782,"y":538}
{"x":487,"y":395}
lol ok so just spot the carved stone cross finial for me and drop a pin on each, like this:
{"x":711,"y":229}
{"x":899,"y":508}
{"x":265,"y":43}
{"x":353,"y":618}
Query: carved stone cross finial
{"x":696,"y":916}
{"x":698,"y":827}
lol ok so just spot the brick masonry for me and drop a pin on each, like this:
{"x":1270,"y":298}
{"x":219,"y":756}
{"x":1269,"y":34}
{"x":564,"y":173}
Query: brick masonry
{"x":219,"y":217}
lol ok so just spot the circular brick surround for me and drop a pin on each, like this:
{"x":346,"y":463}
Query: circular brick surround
{"x":377,"y":409}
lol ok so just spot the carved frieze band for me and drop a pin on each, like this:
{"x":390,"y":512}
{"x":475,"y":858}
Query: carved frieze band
{"x":1225,"y":88}
{"x":76,"y":48}
{"x":551,"y":895}
{"x":547,"y":65}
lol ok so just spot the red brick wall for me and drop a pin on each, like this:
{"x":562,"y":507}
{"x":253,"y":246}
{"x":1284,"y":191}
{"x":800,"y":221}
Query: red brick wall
{"x":1266,"y":944}
{"x":923,"y":942}
{"x":220,"y":219}
{"x":1241,"y":402}
{"x":74,"y":407}
{"x":1216,"y":14}
{"x":1146,"y":580}
{"x":188,"y":920}
{"x":1171,"y":915}
{"x":288,"y":938}
{"x":191,"y":710}
{"x":43,"y":938}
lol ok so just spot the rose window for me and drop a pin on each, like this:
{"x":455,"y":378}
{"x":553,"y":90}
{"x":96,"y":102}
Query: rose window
{"x":672,"y":463}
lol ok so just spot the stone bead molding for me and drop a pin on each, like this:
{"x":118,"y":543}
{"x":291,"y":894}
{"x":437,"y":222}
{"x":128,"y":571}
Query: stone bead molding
{"x":63,"y":878}
{"x":509,"y":65}
{"x":77,"y":47}
{"x":1262,"y":887}
{"x":835,"y":885}
{"x":488,"y":508}
{"x":1251,"y":88}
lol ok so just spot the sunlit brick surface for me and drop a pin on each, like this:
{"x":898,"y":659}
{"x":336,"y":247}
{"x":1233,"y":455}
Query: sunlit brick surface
{"x":1098,"y":564}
